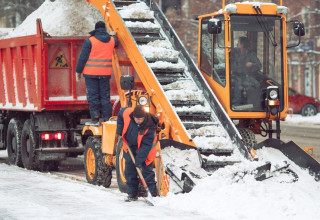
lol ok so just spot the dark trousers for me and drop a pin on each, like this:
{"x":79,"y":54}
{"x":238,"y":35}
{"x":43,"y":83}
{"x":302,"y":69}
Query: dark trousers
{"x":98,"y":96}
{"x":132,"y":176}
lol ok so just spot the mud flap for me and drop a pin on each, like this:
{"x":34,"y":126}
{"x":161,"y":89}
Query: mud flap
{"x":294,"y":153}
{"x":180,"y":177}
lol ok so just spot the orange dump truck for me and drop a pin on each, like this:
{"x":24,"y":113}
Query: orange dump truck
{"x":42,"y":106}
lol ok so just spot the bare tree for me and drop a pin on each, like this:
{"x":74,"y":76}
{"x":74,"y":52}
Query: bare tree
{"x":13,"y":12}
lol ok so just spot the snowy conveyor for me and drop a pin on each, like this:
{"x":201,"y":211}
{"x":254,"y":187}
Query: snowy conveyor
{"x":185,"y":95}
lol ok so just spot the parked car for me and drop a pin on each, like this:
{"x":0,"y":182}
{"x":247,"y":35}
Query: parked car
{"x":305,"y":105}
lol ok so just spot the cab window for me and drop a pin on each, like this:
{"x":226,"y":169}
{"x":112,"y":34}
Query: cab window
{"x":212,"y":52}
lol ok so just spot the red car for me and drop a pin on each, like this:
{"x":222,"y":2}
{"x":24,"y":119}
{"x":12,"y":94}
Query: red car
{"x":305,"y":105}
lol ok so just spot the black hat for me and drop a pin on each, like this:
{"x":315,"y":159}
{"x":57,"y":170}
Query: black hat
{"x":100,"y":24}
{"x":139,"y":112}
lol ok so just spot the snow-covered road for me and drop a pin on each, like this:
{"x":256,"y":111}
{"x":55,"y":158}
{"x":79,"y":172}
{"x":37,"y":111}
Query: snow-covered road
{"x":28,"y":194}
{"x":32,"y":195}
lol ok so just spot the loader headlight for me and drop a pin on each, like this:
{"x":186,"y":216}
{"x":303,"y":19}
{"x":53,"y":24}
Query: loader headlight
{"x":273,"y":94}
{"x":143,"y":100}
{"x":272,"y":100}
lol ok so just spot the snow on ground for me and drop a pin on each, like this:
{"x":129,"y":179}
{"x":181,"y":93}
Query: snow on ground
{"x":299,"y":119}
{"x":32,"y":195}
{"x":28,"y":194}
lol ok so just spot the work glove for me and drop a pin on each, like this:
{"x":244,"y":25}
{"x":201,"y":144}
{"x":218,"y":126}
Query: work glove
{"x":112,"y":33}
{"x":78,"y":77}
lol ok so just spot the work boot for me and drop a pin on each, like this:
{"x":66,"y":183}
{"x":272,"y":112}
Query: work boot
{"x":153,"y":190}
{"x":94,"y":122}
{"x":131,"y":198}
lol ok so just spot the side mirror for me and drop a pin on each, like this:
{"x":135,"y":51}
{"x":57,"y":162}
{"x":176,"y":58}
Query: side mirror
{"x":298,"y":28}
{"x":214,"y":26}
{"x":127,"y":82}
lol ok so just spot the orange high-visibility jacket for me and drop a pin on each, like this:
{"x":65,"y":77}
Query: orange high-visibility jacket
{"x":100,"y":59}
{"x":126,"y":121}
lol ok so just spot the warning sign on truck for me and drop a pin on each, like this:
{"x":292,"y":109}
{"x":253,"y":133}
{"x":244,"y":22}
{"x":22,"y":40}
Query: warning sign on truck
{"x":59,"y":61}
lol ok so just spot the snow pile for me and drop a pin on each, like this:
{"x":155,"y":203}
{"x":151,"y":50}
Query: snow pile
{"x":184,"y":159}
{"x":167,"y":65}
{"x":213,"y":142}
{"x":207,"y":131}
{"x":184,"y":95}
{"x":195,"y":108}
{"x":60,"y":18}
{"x":139,"y":24}
{"x":158,"y":52}
{"x":161,"y":44}
{"x":4,"y":32}
{"x":181,"y":84}
{"x":137,"y":11}
{"x":224,"y":195}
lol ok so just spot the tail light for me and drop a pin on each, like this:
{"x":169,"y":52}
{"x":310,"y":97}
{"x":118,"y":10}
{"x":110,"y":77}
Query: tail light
{"x":58,"y":136}
{"x":46,"y":136}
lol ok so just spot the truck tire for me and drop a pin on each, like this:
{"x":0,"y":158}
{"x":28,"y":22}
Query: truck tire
{"x":120,"y":167}
{"x":14,"y":142}
{"x":28,"y":147}
{"x":308,"y":110}
{"x":97,"y":171}
{"x":248,"y":137}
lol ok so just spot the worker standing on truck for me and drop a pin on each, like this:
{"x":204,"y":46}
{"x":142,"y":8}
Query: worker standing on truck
{"x":95,"y":62}
{"x":244,"y":64}
{"x":138,"y":131}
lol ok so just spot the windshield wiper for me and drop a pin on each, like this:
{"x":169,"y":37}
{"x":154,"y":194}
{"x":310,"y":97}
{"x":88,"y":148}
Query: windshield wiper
{"x":263,"y":26}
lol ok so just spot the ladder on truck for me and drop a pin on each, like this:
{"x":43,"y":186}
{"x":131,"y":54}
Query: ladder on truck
{"x":180,"y":94}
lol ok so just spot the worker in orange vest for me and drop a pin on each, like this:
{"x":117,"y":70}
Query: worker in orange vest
{"x":138,"y":131}
{"x":95,"y":62}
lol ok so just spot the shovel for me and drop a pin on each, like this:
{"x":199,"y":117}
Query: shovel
{"x":149,"y":198}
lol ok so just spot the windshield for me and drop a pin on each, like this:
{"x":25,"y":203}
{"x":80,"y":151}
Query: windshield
{"x":255,"y":61}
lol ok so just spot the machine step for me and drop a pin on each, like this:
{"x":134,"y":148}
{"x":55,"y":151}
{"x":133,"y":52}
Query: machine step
{"x":194,"y":116}
{"x":187,"y":103}
{"x":145,"y":31}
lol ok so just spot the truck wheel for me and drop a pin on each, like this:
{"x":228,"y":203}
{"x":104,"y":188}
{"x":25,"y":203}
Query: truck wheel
{"x":308,"y":110}
{"x":97,"y":171}
{"x":14,"y":142}
{"x":120,"y":167}
{"x":28,"y":147}
{"x":248,"y":137}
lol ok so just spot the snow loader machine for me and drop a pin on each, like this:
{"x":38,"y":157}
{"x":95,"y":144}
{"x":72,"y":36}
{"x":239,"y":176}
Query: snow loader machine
{"x":264,"y":93}
{"x":152,"y":68}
